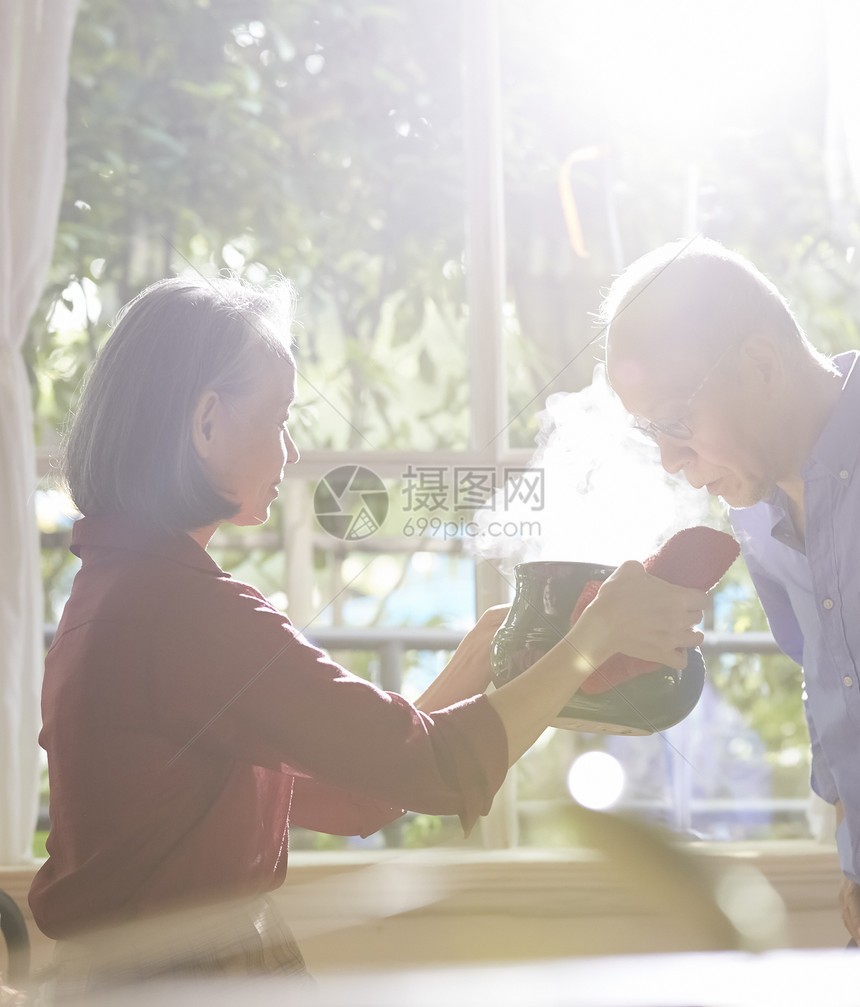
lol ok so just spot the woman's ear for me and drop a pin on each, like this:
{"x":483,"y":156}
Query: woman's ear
{"x":204,"y":422}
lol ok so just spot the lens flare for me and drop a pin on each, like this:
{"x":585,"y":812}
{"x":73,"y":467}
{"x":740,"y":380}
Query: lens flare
{"x":596,"y":780}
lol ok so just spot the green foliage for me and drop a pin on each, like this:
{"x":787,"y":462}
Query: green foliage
{"x":319,"y":142}
{"x":323,"y":841}
{"x":325,"y":142}
{"x":766,"y":689}
{"x":425,"y":830}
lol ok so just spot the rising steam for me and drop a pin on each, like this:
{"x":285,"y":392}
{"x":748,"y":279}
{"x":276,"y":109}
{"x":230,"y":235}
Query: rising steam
{"x":605,"y":496}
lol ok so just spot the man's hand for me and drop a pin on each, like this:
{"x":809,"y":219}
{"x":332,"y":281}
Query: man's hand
{"x":849,"y":900}
{"x":849,"y":893}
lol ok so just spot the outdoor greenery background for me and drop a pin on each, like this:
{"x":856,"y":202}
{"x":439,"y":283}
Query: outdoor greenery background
{"x":324,"y":142}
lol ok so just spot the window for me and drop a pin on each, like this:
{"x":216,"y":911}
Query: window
{"x":448,"y":243}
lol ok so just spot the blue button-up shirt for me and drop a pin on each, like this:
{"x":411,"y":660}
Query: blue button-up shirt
{"x":811,"y":596}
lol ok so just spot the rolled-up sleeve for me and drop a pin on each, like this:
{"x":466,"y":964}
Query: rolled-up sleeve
{"x":470,"y":738}
{"x":263,"y":692}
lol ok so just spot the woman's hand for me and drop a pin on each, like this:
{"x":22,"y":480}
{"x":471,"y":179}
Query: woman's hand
{"x":468,"y":673}
{"x":641,"y":616}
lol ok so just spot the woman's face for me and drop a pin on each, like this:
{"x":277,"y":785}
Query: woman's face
{"x":246,"y":444}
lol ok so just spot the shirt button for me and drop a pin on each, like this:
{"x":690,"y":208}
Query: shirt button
{"x":843,"y":474}
{"x":848,"y":680}
{"x":828,"y":603}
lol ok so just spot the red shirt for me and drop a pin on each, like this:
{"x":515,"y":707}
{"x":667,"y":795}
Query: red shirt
{"x":187,"y":723}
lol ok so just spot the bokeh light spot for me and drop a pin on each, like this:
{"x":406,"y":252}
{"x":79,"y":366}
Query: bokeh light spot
{"x":596,"y":780}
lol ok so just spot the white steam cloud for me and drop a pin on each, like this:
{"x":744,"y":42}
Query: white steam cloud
{"x":605,"y":496}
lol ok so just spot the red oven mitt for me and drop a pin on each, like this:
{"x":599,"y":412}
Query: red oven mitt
{"x":694,"y":557}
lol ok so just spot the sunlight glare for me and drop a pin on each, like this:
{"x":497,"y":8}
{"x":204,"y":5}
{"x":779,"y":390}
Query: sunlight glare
{"x":596,"y":780}
{"x":80,"y":302}
{"x":673,"y":69}
{"x":423,"y":562}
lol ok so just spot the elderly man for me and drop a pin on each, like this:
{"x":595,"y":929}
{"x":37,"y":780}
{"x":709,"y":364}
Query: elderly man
{"x":706,"y":354}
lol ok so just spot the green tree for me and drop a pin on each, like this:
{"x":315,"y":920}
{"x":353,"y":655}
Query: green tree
{"x":315,"y":141}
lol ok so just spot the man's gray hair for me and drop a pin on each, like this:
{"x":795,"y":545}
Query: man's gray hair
{"x":129,"y":448}
{"x":687,"y":295}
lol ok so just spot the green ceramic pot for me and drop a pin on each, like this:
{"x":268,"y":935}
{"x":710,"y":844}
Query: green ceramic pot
{"x":546,"y":594}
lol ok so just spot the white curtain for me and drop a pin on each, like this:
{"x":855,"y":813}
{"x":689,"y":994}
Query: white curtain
{"x":35,"y":38}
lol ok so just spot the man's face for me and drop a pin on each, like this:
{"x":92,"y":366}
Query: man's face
{"x":728,"y":449}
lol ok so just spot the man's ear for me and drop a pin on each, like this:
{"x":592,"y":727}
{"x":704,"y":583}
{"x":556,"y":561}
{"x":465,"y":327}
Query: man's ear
{"x":204,"y":423}
{"x":762,"y":365}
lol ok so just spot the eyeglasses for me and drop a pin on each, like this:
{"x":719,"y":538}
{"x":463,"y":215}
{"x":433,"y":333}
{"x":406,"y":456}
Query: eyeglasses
{"x":679,"y":428}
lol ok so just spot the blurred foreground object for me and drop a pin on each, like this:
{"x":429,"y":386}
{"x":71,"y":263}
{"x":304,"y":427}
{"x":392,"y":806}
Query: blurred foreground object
{"x":717,"y":979}
{"x":729,"y":908}
{"x":14,"y":930}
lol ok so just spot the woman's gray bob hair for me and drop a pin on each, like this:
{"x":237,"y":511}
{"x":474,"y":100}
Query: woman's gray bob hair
{"x":129,"y":449}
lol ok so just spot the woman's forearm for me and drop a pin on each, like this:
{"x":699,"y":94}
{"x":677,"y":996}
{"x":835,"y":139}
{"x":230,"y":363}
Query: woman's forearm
{"x":468,"y":673}
{"x":529,"y":702}
{"x":443,"y":691}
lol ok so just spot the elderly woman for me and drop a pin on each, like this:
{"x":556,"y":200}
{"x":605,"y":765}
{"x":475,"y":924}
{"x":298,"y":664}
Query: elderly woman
{"x":187,"y":722}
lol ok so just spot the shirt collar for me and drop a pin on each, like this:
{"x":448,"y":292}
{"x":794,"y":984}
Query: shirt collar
{"x":837,"y":447}
{"x":131,"y":534}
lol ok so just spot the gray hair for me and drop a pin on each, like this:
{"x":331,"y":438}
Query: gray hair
{"x":686,"y":296}
{"x":129,"y":448}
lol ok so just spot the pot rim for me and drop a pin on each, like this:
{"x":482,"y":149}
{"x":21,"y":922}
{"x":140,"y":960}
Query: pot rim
{"x":571,"y":563}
